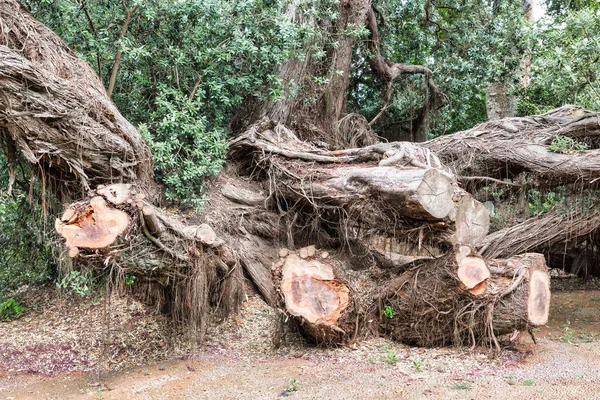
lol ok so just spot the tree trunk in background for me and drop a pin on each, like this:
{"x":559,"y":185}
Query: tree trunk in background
{"x":500,"y":103}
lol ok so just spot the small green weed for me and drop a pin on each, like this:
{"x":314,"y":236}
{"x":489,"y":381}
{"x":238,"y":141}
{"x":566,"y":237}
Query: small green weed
{"x":567,"y":145}
{"x":294,"y":385}
{"x":511,"y":380}
{"x":528,"y":382}
{"x":77,"y":283}
{"x":130,"y":280}
{"x":418,"y":364}
{"x":595,"y":299}
{"x":11,"y":309}
{"x":391,"y":357}
{"x":388,"y":312}
{"x":461,"y":386}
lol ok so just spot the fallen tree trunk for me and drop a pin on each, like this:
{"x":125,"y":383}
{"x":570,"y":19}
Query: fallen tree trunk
{"x":437,"y":304}
{"x":505,"y":148}
{"x":57,"y":113}
{"x":564,"y":230}
{"x":393,"y":187}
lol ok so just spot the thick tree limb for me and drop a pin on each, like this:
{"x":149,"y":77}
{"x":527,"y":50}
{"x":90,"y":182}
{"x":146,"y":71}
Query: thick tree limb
{"x":512,"y":145}
{"x":388,"y":71}
{"x":55,"y":109}
{"x":539,"y":234}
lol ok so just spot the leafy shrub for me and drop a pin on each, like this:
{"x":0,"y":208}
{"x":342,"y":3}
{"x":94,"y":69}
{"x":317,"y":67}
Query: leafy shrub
{"x":11,"y":309}
{"x":25,"y":247}
{"x":185,"y":153}
{"x":76,"y":283}
{"x":566,"y":145}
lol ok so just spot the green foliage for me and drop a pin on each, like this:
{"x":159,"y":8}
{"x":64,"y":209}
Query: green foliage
{"x":76,"y":283}
{"x":130,"y":280}
{"x":391,"y":357}
{"x":418,"y":365}
{"x":388,"y":312}
{"x":293,"y":385}
{"x":565,"y":54}
{"x":566,"y":145}
{"x":541,"y":203}
{"x":11,"y":309}
{"x":528,"y":382}
{"x":25,"y":249}
{"x":466,"y":44}
{"x":187,"y":68}
{"x":184,"y":151}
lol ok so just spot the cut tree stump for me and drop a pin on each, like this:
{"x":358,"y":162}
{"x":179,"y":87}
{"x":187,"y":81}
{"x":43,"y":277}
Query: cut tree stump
{"x":316,"y":298}
{"x":94,"y":227}
{"x":523,"y":287}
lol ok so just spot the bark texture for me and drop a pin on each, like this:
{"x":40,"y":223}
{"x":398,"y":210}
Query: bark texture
{"x":508,"y":147}
{"x":54,"y":107}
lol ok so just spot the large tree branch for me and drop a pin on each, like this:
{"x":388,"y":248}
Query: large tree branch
{"x":115,"y":69}
{"x":512,"y":145}
{"x":388,"y":71}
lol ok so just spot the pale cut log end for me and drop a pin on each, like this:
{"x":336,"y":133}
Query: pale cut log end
{"x":538,"y":303}
{"x":94,"y":227}
{"x":206,"y":235}
{"x":436,"y":194}
{"x":117,"y":193}
{"x":73,"y":252}
{"x":473,"y":273}
{"x":472,"y":222}
{"x":311,"y":291}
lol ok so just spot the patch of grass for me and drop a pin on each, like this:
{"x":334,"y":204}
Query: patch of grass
{"x":528,"y":382}
{"x":571,"y":336}
{"x":294,"y":385}
{"x":461,"y":386}
{"x":391,"y":357}
{"x":595,"y":299}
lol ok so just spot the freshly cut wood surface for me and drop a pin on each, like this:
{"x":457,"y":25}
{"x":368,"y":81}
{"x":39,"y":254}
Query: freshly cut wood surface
{"x":95,"y":227}
{"x":312,"y":292}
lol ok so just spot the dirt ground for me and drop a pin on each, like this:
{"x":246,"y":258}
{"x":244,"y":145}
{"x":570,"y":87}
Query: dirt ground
{"x":239,"y":362}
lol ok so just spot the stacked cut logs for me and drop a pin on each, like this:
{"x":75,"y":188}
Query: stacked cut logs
{"x":394,"y":190}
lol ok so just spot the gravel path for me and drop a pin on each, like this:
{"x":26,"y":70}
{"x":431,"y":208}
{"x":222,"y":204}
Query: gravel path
{"x":239,"y":362}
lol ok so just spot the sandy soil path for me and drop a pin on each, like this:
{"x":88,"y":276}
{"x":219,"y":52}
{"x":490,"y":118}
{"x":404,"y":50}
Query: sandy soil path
{"x":565,"y":364}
